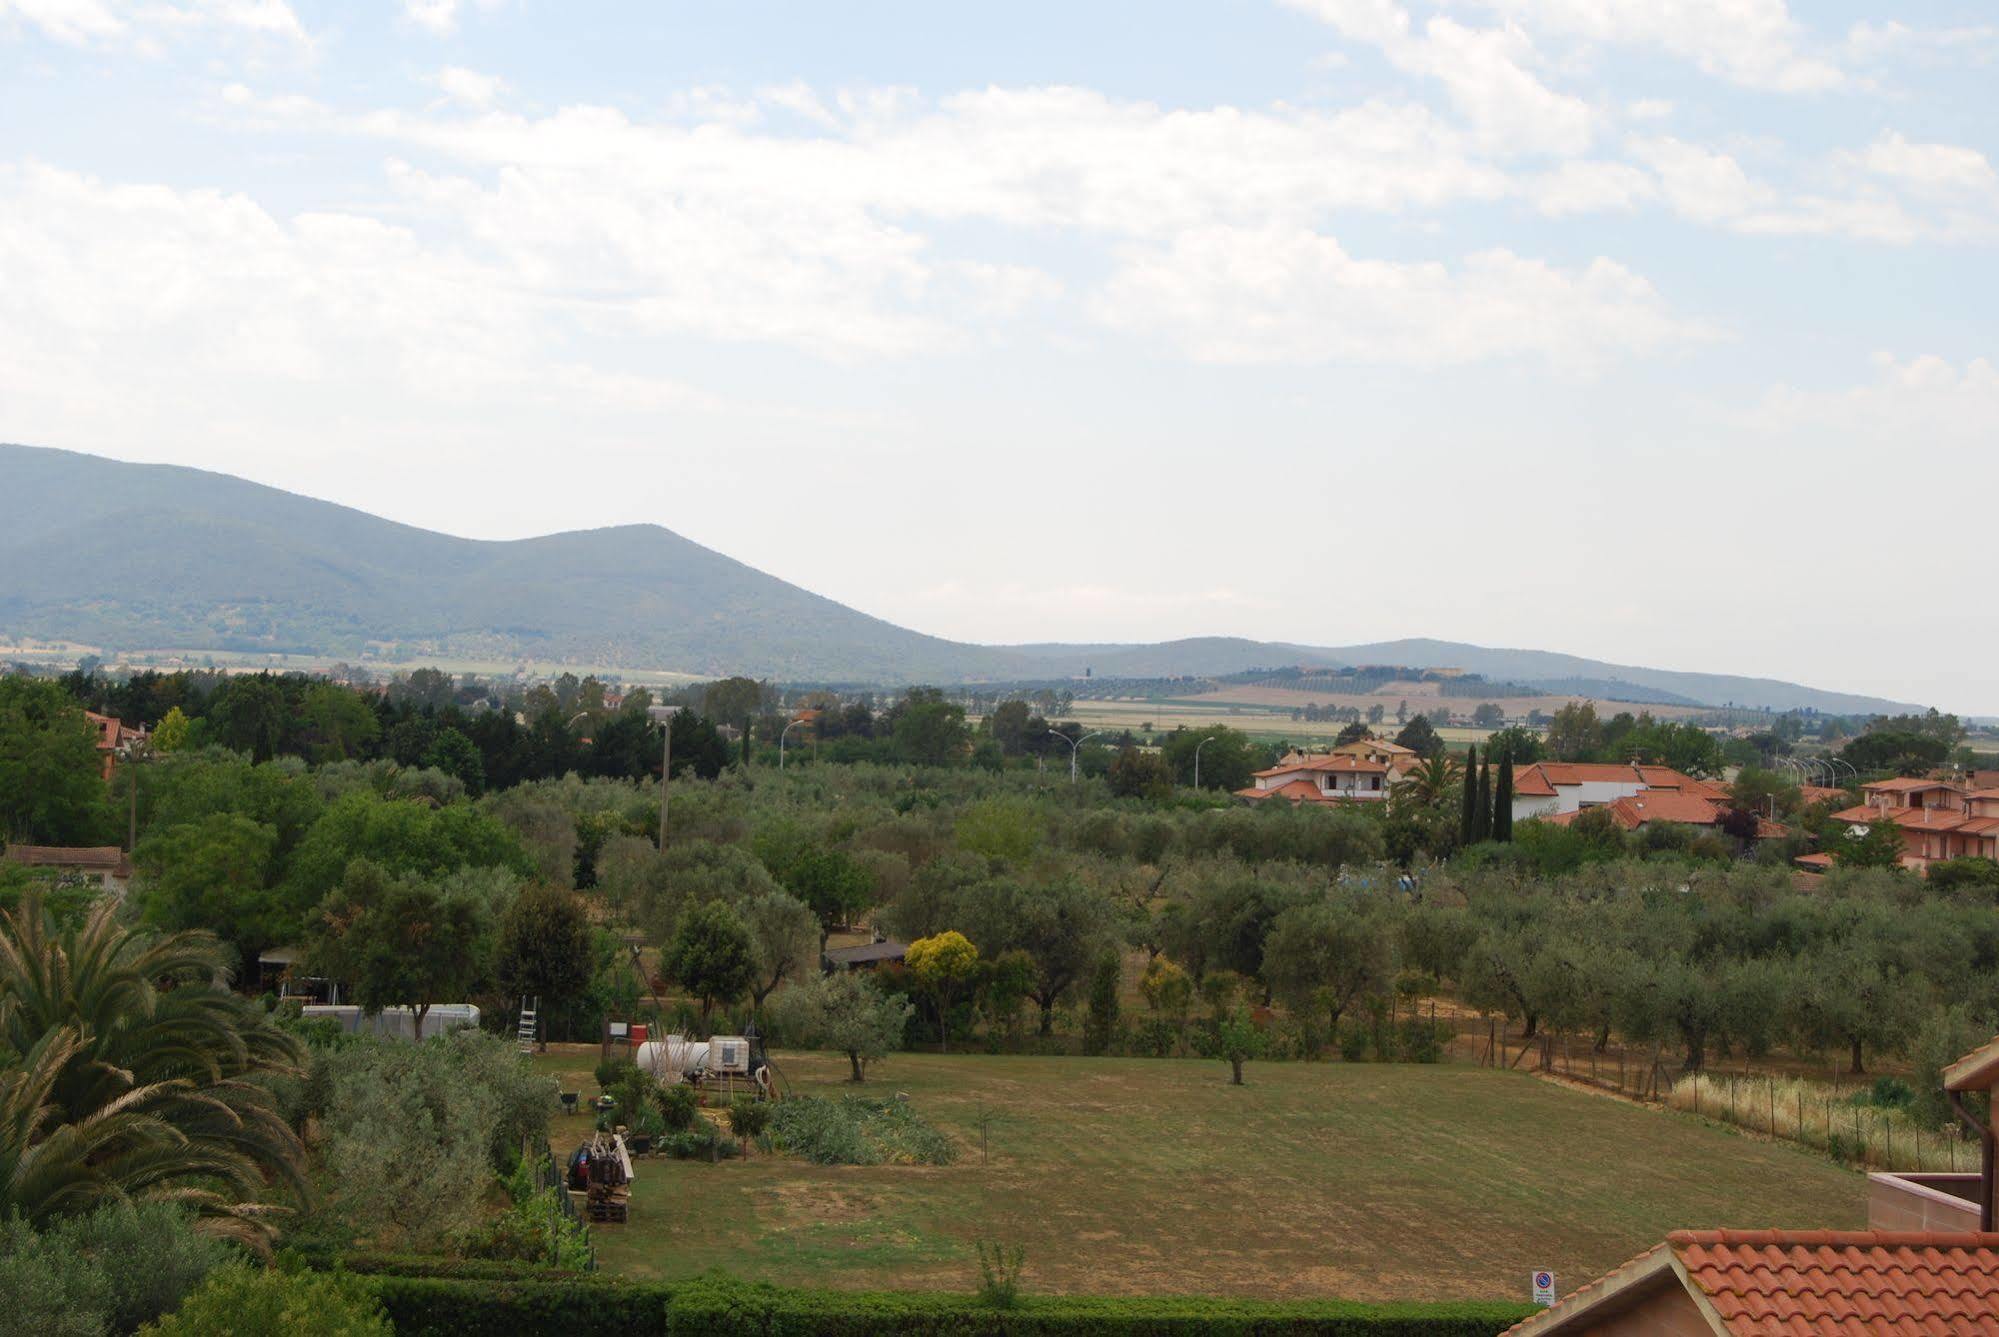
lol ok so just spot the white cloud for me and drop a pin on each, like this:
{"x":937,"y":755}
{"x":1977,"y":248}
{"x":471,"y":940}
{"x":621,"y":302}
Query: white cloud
{"x":76,"y":22}
{"x":1868,"y":43}
{"x":1700,"y":184}
{"x":1926,"y":406}
{"x":1290,"y":296}
{"x":469,"y":86}
{"x":1583,"y":187}
{"x":440,"y":17}
{"x":1485,"y":72}
{"x":88,"y":22}
{"x":1756,"y":43}
{"x":1947,"y":168}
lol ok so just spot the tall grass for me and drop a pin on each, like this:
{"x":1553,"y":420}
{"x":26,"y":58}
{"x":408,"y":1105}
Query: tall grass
{"x":1849,"y":1127}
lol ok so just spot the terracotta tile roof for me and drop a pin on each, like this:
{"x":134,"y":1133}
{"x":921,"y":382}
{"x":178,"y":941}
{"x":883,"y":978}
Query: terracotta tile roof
{"x":1983,"y":793}
{"x":1820,"y":794}
{"x":1814,"y":860}
{"x":1340,"y":762}
{"x":1976,"y":1071}
{"x":1844,"y":1281}
{"x":1532,"y":783}
{"x":1376,"y":745}
{"x":102,"y":857}
{"x":1904,"y":784}
{"x":1538,"y":779}
{"x":1295,"y":789}
{"x":1666,"y":805}
{"x":1776,"y":1283}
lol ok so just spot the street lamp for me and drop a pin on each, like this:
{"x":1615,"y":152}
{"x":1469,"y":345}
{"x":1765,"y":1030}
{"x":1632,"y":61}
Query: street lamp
{"x":1074,"y":743}
{"x":1197,"y":758}
{"x":780,"y":740}
{"x":663,"y":715}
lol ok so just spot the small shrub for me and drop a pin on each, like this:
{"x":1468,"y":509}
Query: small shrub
{"x":121,"y":1266}
{"x":1423,"y":1041}
{"x":748,"y":1118}
{"x":677,"y":1104}
{"x":704,"y":1143}
{"x":854,"y":1130}
{"x":1000,"y":1266}
{"x":1890,"y":1093}
{"x":240,"y":1299}
{"x":1156,"y":1037}
{"x":612,"y":1071}
{"x":1355,"y":1035}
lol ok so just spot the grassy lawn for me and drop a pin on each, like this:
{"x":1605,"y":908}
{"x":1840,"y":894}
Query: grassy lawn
{"x":1143,"y":1176}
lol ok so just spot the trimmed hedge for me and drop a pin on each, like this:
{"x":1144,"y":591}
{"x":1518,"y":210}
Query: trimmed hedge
{"x":724,"y":1305}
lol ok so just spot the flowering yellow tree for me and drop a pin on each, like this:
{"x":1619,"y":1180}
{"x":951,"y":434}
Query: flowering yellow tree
{"x":944,"y":966}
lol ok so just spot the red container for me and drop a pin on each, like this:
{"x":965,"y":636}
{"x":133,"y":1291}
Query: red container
{"x":638,"y":1034}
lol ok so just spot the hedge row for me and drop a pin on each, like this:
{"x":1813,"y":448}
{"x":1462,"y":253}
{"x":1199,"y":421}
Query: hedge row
{"x":719,"y":1304}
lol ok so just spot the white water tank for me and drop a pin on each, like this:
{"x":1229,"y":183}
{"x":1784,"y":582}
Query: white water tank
{"x":672,"y":1059}
{"x":729,"y":1053}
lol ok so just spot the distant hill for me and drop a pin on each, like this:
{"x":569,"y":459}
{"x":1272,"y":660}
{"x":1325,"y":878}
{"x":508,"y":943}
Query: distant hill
{"x":1553,"y":672}
{"x":158,"y":557}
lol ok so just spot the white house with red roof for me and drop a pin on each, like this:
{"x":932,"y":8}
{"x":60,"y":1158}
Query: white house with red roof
{"x":1326,"y":778}
{"x":1554,"y":788}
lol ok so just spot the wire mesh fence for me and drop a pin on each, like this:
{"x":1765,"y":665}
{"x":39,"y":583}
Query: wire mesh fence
{"x":1834,"y":1116}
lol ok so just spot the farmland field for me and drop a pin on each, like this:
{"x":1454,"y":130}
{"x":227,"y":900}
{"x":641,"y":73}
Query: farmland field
{"x":1154,"y":1176}
{"x":1260,"y":722}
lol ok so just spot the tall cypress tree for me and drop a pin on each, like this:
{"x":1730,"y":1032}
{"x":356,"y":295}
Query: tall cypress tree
{"x":1466,"y":819}
{"x":1502,"y":800}
{"x":1481,"y":817}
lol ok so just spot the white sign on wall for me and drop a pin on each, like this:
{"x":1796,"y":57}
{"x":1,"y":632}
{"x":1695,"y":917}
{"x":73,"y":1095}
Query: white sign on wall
{"x":1544,"y":1288}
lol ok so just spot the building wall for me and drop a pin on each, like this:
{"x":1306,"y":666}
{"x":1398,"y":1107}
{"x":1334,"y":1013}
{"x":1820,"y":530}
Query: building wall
{"x":1921,"y":1202}
{"x":1572,"y":798}
{"x":1667,"y":1312}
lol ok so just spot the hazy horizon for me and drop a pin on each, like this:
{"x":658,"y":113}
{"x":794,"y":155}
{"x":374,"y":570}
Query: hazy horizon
{"x":1552,"y":325}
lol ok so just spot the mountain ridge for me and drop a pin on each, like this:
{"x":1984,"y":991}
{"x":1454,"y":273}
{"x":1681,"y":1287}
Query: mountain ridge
{"x":156,"y":556}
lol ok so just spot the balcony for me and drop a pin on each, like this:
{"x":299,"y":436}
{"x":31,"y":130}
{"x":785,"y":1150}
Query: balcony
{"x":1934,"y":1202}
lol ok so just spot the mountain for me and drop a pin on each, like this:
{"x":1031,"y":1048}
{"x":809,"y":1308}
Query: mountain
{"x":1557,"y":673}
{"x":151,"y":556}
{"x":161,"y":557}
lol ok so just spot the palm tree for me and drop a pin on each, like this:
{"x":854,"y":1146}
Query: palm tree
{"x":1431,"y":781}
{"x":132,"y":1073}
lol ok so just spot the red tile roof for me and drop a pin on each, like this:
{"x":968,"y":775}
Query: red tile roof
{"x":1532,"y":783}
{"x":1919,"y":819}
{"x":1295,"y":789}
{"x":1976,"y":1071}
{"x":105,"y":857}
{"x":1339,"y":762}
{"x":1844,"y":1281}
{"x":1903,"y":784}
{"x":1668,"y":805}
{"x":1538,"y":779}
{"x":1775,"y":1283}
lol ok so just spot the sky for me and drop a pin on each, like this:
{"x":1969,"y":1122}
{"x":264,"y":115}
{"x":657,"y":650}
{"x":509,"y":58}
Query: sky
{"x":1660,"y":331}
